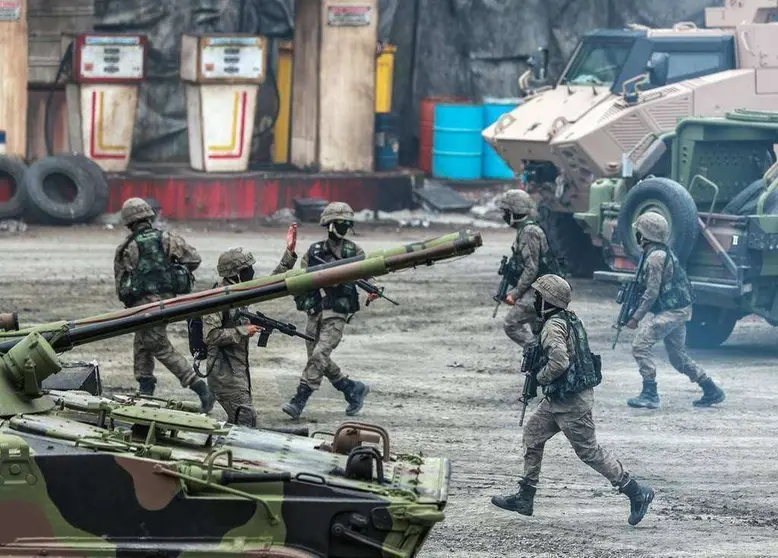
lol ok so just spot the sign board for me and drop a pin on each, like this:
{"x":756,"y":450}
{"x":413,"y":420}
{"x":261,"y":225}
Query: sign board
{"x":349,"y":15}
{"x":233,"y":58}
{"x":113,"y":58}
{"x":10,"y":10}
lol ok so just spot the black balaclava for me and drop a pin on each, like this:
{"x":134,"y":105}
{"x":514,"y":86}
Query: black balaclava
{"x":246,"y":274}
{"x":339,"y":229}
{"x":512,"y":219}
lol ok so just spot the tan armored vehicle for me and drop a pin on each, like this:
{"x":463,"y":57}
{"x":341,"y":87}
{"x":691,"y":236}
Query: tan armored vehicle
{"x":618,"y":92}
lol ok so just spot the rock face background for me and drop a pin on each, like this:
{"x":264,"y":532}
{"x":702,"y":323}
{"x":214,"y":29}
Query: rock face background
{"x":445,"y":47}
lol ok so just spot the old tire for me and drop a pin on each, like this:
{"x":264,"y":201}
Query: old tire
{"x":12,"y":172}
{"x":58,"y":191}
{"x":749,"y":194}
{"x":710,"y":326}
{"x":569,"y":242}
{"x":99,"y":182}
{"x":669,"y":198}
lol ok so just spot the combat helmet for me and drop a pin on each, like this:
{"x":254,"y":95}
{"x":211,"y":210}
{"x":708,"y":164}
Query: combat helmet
{"x":336,"y":211}
{"x":554,"y":290}
{"x":232,"y":261}
{"x":134,"y":210}
{"x":653,"y":227}
{"x":517,"y":202}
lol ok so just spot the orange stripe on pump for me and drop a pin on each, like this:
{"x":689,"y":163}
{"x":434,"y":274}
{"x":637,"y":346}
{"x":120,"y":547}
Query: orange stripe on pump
{"x":238,"y":131}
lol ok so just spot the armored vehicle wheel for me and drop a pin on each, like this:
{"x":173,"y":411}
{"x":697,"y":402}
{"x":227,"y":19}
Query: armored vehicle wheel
{"x":669,"y":198}
{"x":710,"y":326}
{"x":569,"y":241}
{"x":12,"y":173}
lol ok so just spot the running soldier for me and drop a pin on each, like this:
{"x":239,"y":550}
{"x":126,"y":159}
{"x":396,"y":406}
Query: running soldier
{"x":153,"y":265}
{"x":668,"y":296}
{"x":227,"y":335}
{"x":530,"y":255}
{"x":327,"y":315}
{"x":568,"y":375}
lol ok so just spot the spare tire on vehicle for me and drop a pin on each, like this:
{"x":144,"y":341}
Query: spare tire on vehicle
{"x":59,"y":191}
{"x":11,"y":176}
{"x":100,"y":182}
{"x":745,"y":198}
{"x":673,"y":202}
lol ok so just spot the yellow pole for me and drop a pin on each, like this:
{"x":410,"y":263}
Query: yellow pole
{"x":384,"y":79}
{"x":13,"y":76}
{"x":284,"y":80}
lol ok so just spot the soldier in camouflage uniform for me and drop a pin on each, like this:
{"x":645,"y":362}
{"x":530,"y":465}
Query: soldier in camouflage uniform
{"x":227,"y":336}
{"x":530,"y":250}
{"x":568,"y":376}
{"x":327,"y":316}
{"x":668,"y":295}
{"x":153,"y":265}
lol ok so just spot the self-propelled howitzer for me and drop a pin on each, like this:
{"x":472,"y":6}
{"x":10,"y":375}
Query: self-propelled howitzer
{"x":100,"y":476}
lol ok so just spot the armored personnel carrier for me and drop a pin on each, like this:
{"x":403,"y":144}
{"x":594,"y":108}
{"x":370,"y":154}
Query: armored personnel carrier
{"x":86,"y":475}
{"x":620,"y":90}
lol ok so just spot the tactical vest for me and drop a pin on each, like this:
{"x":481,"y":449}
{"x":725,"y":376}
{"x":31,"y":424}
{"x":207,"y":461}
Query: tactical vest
{"x":677,"y":292}
{"x":548,"y":262}
{"x":154,"y":273}
{"x":343,"y":299}
{"x":585,"y":370}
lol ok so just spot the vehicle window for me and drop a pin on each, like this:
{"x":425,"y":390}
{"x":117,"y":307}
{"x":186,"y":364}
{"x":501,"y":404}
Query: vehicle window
{"x":597,"y":64}
{"x":682,"y":64}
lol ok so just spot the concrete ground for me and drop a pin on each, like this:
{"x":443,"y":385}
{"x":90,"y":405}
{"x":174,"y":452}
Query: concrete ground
{"x":444,"y":380}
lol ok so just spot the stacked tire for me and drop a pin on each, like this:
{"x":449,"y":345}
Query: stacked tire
{"x":59,"y":190}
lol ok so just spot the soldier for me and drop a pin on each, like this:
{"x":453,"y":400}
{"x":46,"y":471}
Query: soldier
{"x":327,"y":316}
{"x":155,"y":265}
{"x":567,"y":377}
{"x":668,"y":295}
{"x":530,"y":252}
{"x":227,"y":336}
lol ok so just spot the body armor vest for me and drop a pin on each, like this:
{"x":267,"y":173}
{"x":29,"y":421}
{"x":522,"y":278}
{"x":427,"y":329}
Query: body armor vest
{"x":677,"y":292}
{"x":585,"y":370}
{"x":343,"y":299}
{"x":548,"y":262}
{"x":153,"y":274}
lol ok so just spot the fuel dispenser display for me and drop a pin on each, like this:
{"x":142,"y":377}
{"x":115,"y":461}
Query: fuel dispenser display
{"x":103,"y":97}
{"x":222,"y":75}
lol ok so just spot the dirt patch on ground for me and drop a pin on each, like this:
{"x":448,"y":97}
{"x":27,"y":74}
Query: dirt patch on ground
{"x":444,"y":380}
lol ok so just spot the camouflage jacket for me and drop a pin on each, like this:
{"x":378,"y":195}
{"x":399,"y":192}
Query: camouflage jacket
{"x":530,"y":246}
{"x":559,"y":348}
{"x":342,"y":299}
{"x":666,"y":285}
{"x":127,"y":263}
{"x":226,"y":335}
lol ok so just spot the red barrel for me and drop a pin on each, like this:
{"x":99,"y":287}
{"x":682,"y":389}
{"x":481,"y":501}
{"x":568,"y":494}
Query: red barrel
{"x":427,"y":126}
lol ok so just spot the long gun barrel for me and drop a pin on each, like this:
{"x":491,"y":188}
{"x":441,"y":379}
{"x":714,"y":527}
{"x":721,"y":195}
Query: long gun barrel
{"x":529,"y":368}
{"x":269,"y":325}
{"x":502,"y":291}
{"x":63,"y":336}
{"x":629,"y":296}
{"x":362,"y":284}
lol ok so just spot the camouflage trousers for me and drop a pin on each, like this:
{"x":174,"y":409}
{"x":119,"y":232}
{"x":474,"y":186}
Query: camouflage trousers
{"x":578,"y":427}
{"x":670,"y":327}
{"x":232,"y":390}
{"x":518,"y":322}
{"x":327,"y":328}
{"x":154,"y":343}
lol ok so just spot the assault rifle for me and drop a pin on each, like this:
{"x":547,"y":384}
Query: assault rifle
{"x":366,"y":286}
{"x":529,"y":368}
{"x":510,"y":277}
{"x":629,"y":296}
{"x":269,"y":325}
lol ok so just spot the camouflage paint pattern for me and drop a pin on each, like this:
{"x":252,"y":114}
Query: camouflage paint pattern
{"x":94,"y":476}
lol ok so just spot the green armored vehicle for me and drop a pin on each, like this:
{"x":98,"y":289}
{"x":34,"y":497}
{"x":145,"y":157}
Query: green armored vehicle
{"x":716,"y":182}
{"x":86,"y":475}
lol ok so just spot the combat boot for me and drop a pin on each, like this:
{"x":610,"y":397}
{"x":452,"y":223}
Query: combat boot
{"x":640,"y":497}
{"x":296,"y":405}
{"x":711,"y":394}
{"x":648,"y":398}
{"x":521,"y":502}
{"x":146,"y":385}
{"x":207,"y":398}
{"x":355,"y":394}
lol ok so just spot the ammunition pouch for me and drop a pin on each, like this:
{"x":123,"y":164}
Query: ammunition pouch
{"x":310,"y":303}
{"x":343,"y":299}
{"x":181,"y":279}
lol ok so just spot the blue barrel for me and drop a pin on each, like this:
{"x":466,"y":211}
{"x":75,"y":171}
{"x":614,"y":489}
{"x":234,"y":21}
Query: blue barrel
{"x":387,"y":143}
{"x":493,"y":165}
{"x":457,"y":146}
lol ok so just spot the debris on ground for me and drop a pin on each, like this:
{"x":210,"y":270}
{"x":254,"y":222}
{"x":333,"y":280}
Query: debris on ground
{"x":13,"y":226}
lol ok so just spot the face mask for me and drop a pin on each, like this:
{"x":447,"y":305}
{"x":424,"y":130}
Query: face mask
{"x":246,"y":274}
{"x":639,"y":237}
{"x":539,"y":305}
{"x":512,"y":218}
{"x":339,"y":229}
